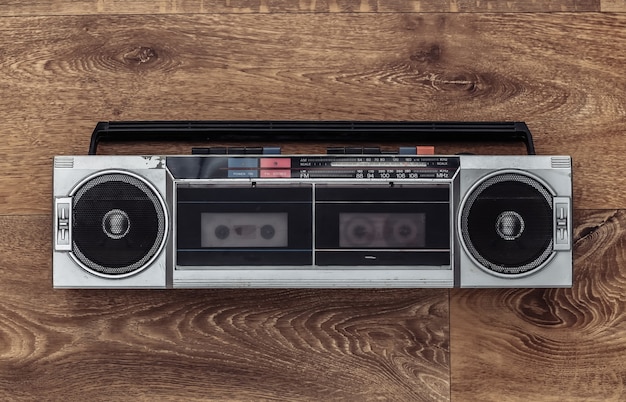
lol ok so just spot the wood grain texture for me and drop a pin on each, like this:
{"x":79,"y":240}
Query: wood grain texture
{"x":210,"y":344}
{"x":86,"y":7}
{"x":67,"y":64}
{"x":549,"y":345}
{"x":613,"y":6}
{"x":555,"y":71}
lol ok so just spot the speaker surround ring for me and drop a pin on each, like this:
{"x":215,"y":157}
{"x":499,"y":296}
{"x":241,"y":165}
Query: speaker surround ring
{"x":505,"y":223}
{"x":120,"y":223}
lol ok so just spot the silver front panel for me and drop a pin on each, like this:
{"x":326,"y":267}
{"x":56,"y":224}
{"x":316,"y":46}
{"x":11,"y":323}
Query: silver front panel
{"x":460,"y":269}
{"x":69,"y":174}
{"x":552,"y":172}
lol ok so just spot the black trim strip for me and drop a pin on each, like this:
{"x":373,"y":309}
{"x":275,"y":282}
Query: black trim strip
{"x":318,"y":131}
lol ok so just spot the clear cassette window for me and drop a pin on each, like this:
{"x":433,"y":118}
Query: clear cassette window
{"x":244,"y":229}
{"x":382,"y":230}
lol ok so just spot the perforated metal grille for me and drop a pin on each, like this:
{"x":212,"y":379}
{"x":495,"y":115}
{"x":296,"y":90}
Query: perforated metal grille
{"x":118,"y":224}
{"x":506,"y":224}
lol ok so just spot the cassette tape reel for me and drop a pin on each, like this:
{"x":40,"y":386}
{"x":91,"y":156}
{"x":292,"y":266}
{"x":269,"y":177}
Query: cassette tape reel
{"x":382,"y":230}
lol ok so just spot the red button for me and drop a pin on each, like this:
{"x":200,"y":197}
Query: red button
{"x":276,"y":163}
{"x":425,"y":150}
{"x":275,"y":167}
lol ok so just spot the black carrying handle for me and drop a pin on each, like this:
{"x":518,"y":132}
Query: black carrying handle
{"x":318,"y":131}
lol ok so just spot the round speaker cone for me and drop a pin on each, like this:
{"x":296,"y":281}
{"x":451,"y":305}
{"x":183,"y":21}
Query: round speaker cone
{"x":118,"y":225}
{"x":506,"y":224}
{"x":510,"y":225}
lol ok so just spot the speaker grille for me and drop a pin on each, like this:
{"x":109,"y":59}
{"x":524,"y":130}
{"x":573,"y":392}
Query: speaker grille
{"x":506,"y":224}
{"x":119,"y":224}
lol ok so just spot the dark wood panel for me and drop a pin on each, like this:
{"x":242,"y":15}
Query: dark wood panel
{"x":536,"y":344}
{"x":556,"y":71}
{"x":218,"y":344}
{"x":82,"y":7}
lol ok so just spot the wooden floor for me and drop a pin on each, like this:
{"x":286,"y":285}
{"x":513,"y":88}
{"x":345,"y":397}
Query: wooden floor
{"x":558,"y":65}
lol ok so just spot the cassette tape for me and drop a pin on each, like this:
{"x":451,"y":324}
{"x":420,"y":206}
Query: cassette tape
{"x":381,"y":230}
{"x":244,"y":229}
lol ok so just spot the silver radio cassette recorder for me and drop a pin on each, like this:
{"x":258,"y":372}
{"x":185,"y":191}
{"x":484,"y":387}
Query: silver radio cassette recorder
{"x":300,"y":221}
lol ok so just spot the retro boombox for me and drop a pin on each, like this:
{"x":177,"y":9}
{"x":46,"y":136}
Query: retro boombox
{"x":252,"y":217}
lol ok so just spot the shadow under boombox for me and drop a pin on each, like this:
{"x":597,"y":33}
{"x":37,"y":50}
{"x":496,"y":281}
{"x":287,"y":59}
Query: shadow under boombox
{"x":234,"y":219}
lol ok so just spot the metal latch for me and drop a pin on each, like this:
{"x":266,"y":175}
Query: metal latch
{"x":63,"y":224}
{"x":562,"y":223}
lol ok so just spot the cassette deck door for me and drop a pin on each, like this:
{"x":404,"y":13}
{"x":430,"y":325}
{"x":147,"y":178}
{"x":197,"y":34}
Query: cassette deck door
{"x":244,"y":225}
{"x":378,"y":225}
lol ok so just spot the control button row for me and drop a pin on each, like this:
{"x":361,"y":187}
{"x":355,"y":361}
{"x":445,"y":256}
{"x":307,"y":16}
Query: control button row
{"x":417,"y":150}
{"x":235,"y":151}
